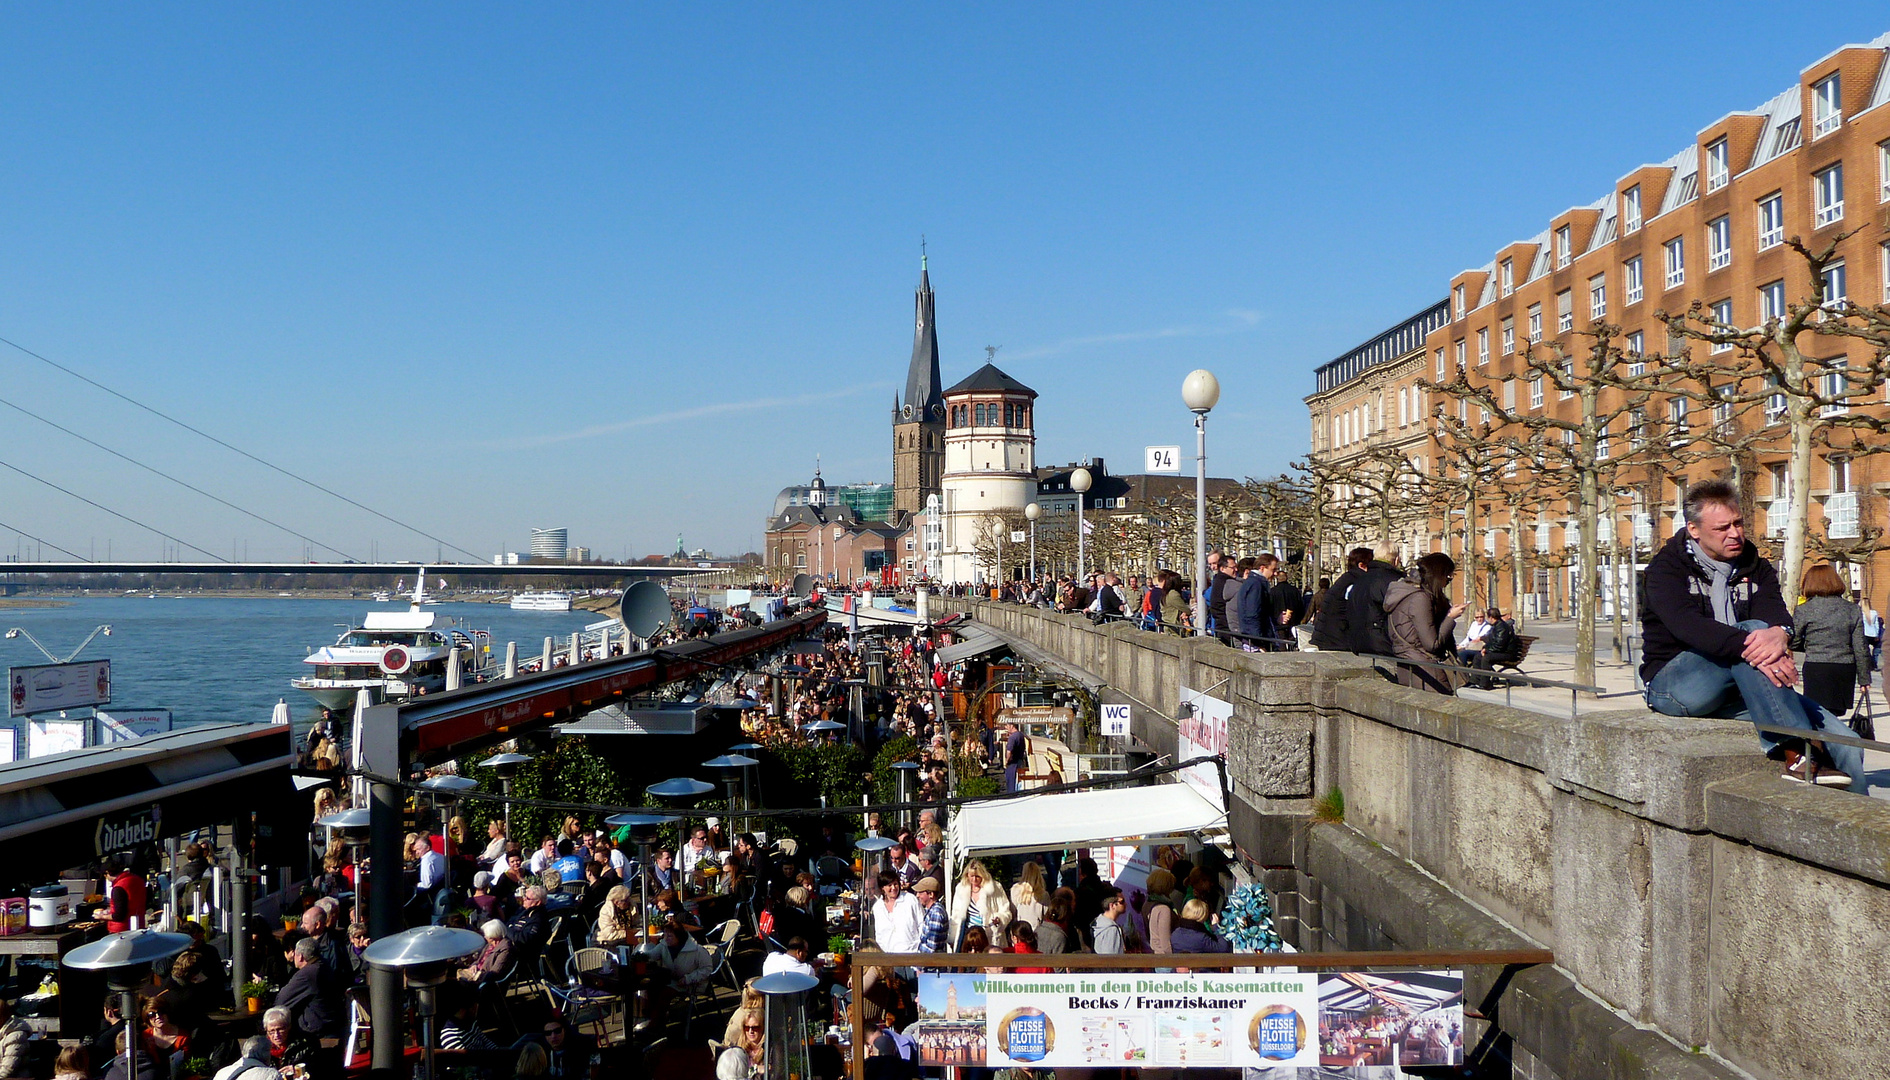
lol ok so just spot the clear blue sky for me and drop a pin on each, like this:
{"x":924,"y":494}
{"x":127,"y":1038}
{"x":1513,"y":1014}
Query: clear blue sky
{"x":629,"y":271}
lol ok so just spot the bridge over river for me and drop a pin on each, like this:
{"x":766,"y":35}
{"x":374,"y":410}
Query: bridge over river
{"x":1708,"y":918}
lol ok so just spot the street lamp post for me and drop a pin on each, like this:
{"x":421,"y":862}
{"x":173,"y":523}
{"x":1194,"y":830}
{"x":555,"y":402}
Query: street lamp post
{"x":1200,"y":391}
{"x":1032,"y":511}
{"x":1080,"y":481}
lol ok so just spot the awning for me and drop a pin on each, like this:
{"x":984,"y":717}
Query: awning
{"x":976,"y":643}
{"x":1159,"y":813}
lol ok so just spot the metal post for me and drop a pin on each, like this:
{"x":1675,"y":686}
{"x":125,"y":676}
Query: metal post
{"x":1200,"y":526}
{"x":239,"y":940}
{"x":384,"y":919}
{"x":1081,"y":561}
{"x":1033,"y":549}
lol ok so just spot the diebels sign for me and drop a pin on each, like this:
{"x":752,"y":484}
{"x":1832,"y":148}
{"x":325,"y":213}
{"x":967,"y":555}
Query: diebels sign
{"x":127,"y":829}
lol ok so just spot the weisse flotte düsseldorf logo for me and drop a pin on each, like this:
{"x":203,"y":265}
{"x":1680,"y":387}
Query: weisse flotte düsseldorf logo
{"x":1026,"y":1034}
{"x":1277,"y":1033}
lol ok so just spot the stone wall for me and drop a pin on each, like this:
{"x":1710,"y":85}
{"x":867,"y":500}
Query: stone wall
{"x":1685,"y":889}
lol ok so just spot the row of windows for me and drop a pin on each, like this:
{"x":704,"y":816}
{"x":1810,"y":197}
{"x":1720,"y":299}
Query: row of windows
{"x":986,"y":414}
{"x":1771,"y":304}
{"x":1827,"y":204}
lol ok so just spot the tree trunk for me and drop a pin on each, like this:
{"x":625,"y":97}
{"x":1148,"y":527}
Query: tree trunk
{"x":1470,"y":548}
{"x":1800,"y":412}
{"x":1520,"y":567}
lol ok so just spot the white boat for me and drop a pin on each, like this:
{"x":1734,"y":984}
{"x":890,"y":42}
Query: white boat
{"x":382,"y":596}
{"x":541,"y":601}
{"x":393,"y":654}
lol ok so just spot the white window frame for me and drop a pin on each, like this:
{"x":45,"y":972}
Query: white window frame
{"x":1440,"y":363}
{"x":1535,"y":323}
{"x":1722,"y":313}
{"x":1827,"y":106}
{"x":1508,"y":273}
{"x":1598,"y":297}
{"x":1883,"y":274}
{"x":1674,"y":255}
{"x":1677,"y":420}
{"x":1565,"y":311}
{"x":1771,"y":220}
{"x":1631,"y":210}
{"x":1509,"y":324}
{"x":1772,"y":301}
{"x":1775,"y":404}
{"x":1636,"y":346}
{"x":1463,"y":353}
{"x":1883,"y":171}
{"x":1836,"y":283}
{"x":1565,"y":392}
{"x":1718,"y":243}
{"x":1601,"y":445}
{"x":1563,"y":253}
{"x":1632,"y":283}
{"x":1457,"y":299}
{"x":1836,"y":383}
{"x":1717,"y":173}
{"x":1827,"y":195}
{"x":1483,"y":345}
{"x":1509,"y":395}
{"x":1535,"y":392}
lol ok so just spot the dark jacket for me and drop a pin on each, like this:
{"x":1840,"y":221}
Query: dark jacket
{"x":1501,"y":642}
{"x":527,"y":932}
{"x":1329,"y":624}
{"x":1253,"y":609}
{"x":1678,"y":615}
{"x":1288,"y":600}
{"x":1365,"y":617}
{"x":1189,"y":936}
{"x":305,"y":1000}
{"x":148,"y":1068}
{"x":1217,"y":601}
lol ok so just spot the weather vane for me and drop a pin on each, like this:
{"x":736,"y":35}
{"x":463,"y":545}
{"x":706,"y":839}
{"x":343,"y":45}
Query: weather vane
{"x":990,"y":353}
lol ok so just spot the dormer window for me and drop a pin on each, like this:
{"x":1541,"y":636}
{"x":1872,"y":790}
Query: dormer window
{"x":1631,"y":210}
{"x":1717,"y":172}
{"x":1826,"y":109}
{"x":1563,"y":254}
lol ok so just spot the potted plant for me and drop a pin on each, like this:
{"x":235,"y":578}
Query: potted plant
{"x":255,"y":992}
{"x":839,"y":945}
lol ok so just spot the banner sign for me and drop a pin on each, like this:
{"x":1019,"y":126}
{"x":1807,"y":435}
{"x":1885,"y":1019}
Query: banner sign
{"x":50,"y":687}
{"x":1333,"y":1021}
{"x":124,"y":725}
{"x":1203,"y":733}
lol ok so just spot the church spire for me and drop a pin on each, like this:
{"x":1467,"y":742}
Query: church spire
{"x":923,"y":385}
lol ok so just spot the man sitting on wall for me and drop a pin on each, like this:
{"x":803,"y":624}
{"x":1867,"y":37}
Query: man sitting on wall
{"x":1717,"y":640}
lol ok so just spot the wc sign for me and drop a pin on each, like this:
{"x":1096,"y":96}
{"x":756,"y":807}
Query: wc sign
{"x":1115,"y":719}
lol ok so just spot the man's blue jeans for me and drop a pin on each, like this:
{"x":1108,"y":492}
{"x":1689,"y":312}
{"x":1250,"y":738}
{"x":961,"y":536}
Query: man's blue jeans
{"x":1693,"y":685}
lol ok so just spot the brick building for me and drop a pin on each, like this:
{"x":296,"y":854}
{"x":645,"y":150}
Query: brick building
{"x":1709,"y":225}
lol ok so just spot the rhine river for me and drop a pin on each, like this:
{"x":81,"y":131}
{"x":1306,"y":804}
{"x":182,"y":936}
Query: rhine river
{"x":215,"y":659}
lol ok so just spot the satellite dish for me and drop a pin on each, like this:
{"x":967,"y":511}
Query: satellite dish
{"x":803,"y":586}
{"x":645,"y":608}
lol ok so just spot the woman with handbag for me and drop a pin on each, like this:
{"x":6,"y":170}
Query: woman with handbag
{"x":1830,"y":630}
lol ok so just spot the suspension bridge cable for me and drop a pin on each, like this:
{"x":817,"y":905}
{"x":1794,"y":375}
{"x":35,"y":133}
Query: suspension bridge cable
{"x":297,"y":477}
{"x":109,"y":510}
{"x":37,"y":540}
{"x":181,"y":483}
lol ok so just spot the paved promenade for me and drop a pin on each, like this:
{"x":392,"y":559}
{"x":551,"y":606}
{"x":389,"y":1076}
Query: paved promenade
{"x":1553,"y":657}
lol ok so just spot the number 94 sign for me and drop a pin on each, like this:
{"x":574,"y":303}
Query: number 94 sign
{"x":1162,"y":459}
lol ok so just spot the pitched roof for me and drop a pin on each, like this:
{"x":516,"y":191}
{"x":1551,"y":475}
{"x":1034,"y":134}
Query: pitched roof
{"x":989,"y":379}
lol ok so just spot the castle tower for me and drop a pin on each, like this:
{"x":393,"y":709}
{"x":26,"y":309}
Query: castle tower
{"x":990,"y":464}
{"x":919,"y":418}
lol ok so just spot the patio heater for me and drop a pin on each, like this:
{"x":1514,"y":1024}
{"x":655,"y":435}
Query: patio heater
{"x":446,"y":790}
{"x":125,"y":959}
{"x":643,"y":828}
{"x":507,"y":766}
{"x":427,"y":957}
{"x":751,"y":792}
{"x":824,"y":728}
{"x":784,"y":1020}
{"x":678,"y":790}
{"x":875,"y":848}
{"x":735,"y":767}
{"x":908,"y":771}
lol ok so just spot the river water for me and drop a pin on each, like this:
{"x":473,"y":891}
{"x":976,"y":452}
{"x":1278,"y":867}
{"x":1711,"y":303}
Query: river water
{"x":215,"y":659}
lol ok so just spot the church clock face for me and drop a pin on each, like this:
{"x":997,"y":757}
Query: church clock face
{"x":906,"y":411}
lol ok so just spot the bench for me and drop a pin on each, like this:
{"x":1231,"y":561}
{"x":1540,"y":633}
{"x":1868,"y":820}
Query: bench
{"x":1522,"y":653}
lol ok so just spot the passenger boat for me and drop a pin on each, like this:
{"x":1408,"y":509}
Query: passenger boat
{"x":541,"y":601}
{"x":393,"y":655}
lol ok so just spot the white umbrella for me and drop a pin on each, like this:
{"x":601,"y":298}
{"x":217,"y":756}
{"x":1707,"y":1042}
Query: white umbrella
{"x":280,"y":715}
{"x":453,"y":675}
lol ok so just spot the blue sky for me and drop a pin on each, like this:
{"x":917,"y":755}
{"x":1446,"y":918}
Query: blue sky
{"x":628,"y":270}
